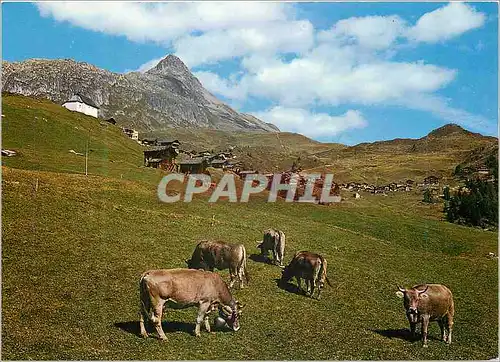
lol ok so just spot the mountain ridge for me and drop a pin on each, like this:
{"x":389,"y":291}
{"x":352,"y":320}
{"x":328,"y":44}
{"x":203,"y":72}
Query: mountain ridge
{"x":168,"y":95}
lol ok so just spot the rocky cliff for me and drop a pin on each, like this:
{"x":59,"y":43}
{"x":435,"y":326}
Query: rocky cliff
{"x":167,"y":95}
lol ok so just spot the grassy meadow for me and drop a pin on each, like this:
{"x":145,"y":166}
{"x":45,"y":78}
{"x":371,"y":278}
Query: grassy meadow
{"x":74,"y":247}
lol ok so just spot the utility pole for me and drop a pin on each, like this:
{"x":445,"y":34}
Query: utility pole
{"x":87,"y":154}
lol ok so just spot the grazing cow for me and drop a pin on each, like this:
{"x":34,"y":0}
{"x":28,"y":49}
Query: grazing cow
{"x":182,"y":288}
{"x":274,"y":241}
{"x":309,"y":266}
{"x":429,"y":302}
{"x":217,"y":254}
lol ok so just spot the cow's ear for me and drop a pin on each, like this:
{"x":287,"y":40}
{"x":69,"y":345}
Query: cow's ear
{"x":400,"y":294}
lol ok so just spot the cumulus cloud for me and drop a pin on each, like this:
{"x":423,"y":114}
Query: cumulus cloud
{"x":312,"y":124}
{"x":441,"y":108}
{"x":311,"y":80}
{"x":162,"y":22}
{"x":374,"y":32}
{"x":349,"y":63}
{"x":445,"y":23}
{"x":213,"y":46}
{"x":224,"y":87}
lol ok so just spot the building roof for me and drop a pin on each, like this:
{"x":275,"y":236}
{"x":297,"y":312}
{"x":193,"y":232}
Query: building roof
{"x":167,"y":141}
{"x":193,"y":161}
{"x":77,"y":97}
{"x":218,"y":162}
{"x":157,"y":148}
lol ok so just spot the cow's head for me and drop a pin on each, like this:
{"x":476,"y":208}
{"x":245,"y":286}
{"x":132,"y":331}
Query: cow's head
{"x":231,"y":314}
{"x":192,"y":264}
{"x":411,"y":300}
{"x":286,"y":274}
{"x":260,"y":246}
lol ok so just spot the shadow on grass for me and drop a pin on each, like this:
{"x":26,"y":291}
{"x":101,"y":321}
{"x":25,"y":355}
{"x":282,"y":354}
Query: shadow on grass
{"x":289,"y":287}
{"x":259,"y":258}
{"x":402,"y":333}
{"x":168,"y":327}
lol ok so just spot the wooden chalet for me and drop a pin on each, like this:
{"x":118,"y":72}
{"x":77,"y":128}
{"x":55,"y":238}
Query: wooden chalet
{"x":193,"y":165}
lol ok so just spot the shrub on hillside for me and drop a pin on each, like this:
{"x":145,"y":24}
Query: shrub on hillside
{"x":476,"y":204}
{"x":428,"y":196}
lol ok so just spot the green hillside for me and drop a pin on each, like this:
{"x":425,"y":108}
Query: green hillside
{"x":74,"y":247}
{"x":43,"y":133}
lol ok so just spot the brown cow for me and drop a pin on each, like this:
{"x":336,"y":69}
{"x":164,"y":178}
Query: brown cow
{"x":209,"y":255}
{"x":309,"y":266}
{"x":274,"y":241}
{"x":182,"y":288}
{"x":429,"y":302}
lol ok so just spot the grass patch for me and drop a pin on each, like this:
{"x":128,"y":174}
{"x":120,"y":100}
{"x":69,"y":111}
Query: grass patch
{"x":74,"y":250}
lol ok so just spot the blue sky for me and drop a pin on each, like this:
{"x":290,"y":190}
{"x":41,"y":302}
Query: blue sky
{"x":338,"y":72}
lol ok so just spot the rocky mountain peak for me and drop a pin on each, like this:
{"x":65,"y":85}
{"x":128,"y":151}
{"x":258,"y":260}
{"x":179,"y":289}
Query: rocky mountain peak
{"x":167,"y":95}
{"x":171,"y":65}
{"x":448,"y":129}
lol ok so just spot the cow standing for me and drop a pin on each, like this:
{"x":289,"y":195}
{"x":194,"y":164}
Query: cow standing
{"x":429,"y":302}
{"x":209,"y":255}
{"x":274,"y":241}
{"x":182,"y":288}
{"x":308,"y":266}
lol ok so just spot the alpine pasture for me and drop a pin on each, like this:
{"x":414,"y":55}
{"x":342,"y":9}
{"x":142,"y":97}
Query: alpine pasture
{"x":74,"y":247}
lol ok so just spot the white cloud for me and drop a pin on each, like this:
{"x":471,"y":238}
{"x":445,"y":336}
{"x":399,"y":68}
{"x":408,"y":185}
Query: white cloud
{"x":148,"y":65}
{"x":441,"y":108}
{"x":212,"y":46}
{"x":350,"y":63}
{"x":220,"y":86}
{"x":373,"y":32}
{"x":312,"y":124}
{"x":162,"y":22}
{"x":445,"y":23}
{"x":310,"y":80}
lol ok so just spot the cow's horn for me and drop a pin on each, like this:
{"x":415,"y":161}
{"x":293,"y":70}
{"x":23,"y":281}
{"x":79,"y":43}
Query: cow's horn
{"x":402,"y":290}
{"x":423,"y":291}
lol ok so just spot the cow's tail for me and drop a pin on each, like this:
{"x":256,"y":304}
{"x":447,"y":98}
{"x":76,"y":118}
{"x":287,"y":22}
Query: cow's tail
{"x":244,"y":264}
{"x":322,"y":270}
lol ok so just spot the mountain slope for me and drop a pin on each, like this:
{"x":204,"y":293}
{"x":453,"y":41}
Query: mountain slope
{"x":380,"y":162}
{"x":48,"y":137}
{"x":44,"y":132}
{"x":168,"y":95}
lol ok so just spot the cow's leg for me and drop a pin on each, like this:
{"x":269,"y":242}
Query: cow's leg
{"x":319,"y":290}
{"x":308,"y":286}
{"x":299,"y":284}
{"x":156,"y":319}
{"x":275,"y":260}
{"x":202,"y":314}
{"x":442,"y":327}
{"x":449,"y":325}
{"x":207,"y":323}
{"x":241,"y":275}
{"x":313,"y":286}
{"x":413,"y":327}
{"x":232,"y":278}
{"x":425,"y":327}
{"x":143,"y":317}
